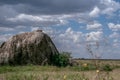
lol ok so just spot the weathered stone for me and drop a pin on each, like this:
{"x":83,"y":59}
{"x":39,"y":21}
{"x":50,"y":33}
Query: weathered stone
{"x":28,"y":48}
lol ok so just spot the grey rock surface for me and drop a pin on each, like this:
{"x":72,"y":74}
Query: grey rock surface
{"x":28,"y":48}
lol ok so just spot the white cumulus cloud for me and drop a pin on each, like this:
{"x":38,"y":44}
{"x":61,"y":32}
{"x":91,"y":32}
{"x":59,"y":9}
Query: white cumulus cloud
{"x":74,"y":36}
{"x":114,"y":27}
{"x":95,"y":12}
{"x":94,"y":26}
{"x":94,"y":36}
{"x":115,"y":35}
{"x":110,"y":6}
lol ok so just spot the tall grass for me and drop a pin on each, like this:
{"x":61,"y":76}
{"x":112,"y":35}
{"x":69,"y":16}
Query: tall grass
{"x":36,"y":72}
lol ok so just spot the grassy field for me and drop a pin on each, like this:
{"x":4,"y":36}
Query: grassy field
{"x":36,"y":72}
{"x":113,"y":63}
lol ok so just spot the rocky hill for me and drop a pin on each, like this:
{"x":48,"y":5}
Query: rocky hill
{"x":28,"y":48}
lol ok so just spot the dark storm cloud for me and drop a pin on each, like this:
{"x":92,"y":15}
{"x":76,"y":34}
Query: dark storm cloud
{"x":13,"y":8}
{"x":10,"y":10}
{"x":50,"y":6}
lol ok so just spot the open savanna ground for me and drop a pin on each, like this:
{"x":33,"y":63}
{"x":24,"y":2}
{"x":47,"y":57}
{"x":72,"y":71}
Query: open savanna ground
{"x":36,"y":72}
{"x":112,"y":62}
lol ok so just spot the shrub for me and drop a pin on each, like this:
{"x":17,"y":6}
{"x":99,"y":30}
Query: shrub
{"x":61,"y":59}
{"x":107,"y":67}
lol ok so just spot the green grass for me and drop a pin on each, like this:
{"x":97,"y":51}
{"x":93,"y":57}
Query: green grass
{"x":4,"y":69}
{"x":36,"y":72}
{"x":55,"y":75}
{"x":43,"y":76}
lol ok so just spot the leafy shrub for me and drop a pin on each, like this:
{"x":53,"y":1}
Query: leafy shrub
{"x":107,"y":67}
{"x":61,"y":59}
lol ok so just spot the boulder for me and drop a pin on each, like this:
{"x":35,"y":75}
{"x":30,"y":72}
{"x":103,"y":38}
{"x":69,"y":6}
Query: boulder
{"x":28,"y":48}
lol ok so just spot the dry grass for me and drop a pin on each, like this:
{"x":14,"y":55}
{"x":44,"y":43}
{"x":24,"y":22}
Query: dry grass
{"x":113,"y":63}
{"x":55,"y":73}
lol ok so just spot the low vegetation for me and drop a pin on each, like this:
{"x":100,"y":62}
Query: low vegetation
{"x":61,"y":69}
{"x":84,"y":71}
{"x":61,"y":60}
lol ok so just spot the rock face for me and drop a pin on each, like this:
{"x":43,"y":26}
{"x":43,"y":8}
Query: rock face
{"x":28,"y":48}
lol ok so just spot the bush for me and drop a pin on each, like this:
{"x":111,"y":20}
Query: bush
{"x":61,"y":59}
{"x":107,"y":67}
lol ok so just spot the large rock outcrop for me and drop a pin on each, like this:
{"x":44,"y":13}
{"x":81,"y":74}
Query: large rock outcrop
{"x":28,"y":48}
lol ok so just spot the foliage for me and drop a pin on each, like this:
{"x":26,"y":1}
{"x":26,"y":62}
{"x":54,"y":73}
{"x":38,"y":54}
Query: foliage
{"x":107,"y":67}
{"x":61,"y":59}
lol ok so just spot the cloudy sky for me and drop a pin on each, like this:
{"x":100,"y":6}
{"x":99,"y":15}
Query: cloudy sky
{"x":74,"y":25}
